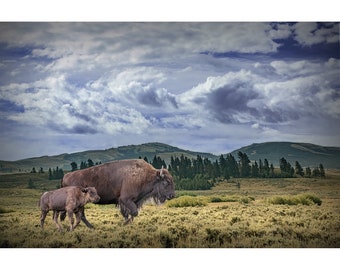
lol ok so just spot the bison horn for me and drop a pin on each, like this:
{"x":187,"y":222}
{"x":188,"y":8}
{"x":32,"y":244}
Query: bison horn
{"x":161,"y":173}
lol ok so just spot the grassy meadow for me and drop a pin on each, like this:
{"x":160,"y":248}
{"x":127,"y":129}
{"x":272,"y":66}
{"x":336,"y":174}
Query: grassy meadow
{"x":256,"y":213}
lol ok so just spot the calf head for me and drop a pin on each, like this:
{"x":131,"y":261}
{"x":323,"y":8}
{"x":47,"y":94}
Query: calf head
{"x":91,"y":194}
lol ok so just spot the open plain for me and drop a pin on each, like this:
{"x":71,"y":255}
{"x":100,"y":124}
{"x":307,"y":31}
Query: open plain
{"x":248,"y":213}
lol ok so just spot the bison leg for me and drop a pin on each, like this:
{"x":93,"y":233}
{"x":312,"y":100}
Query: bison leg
{"x":55,"y":219}
{"x":83,"y":218}
{"x":62,"y":215}
{"x":71,"y":219}
{"x":78,"y":218}
{"x":81,"y":215}
{"x":128,"y":208}
{"x":42,"y":218}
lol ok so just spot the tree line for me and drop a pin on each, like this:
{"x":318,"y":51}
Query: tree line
{"x":58,"y":173}
{"x":55,"y":173}
{"x":201,"y":173}
{"x":83,"y":164}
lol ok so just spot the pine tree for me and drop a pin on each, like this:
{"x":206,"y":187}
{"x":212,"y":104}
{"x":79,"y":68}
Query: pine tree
{"x":74,"y":166}
{"x":254,"y":170}
{"x":199,"y":167}
{"x":266,"y":167}
{"x":90,"y":163}
{"x":298,"y":169}
{"x":50,"y":175}
{"x":157,"y":162}
{"x":223,"y":167}
{"x":83,"y":165}
{"x":217,"y":170}
{"x":271,"y":170}
{"x":284,"y":167}
{"x":173,"y":166}
{"x":322,"y":170}
{"x":232,"y":166}
{"x":244,"y":164}
{"x":316,"y":172}
{"x":261,"y":171}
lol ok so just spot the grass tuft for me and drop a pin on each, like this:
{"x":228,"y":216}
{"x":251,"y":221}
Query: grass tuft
{"x":241,"y":199}
{"x":188,"y":201}
{"x":304,"y":199}
{"x":4,"y":210}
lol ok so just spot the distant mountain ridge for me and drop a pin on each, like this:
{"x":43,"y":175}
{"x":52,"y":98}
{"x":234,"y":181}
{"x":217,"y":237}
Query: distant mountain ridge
{"x":307,"y":154}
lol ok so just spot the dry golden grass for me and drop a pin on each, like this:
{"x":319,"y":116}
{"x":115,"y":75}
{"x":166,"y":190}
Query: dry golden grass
{"x":236,"y":222}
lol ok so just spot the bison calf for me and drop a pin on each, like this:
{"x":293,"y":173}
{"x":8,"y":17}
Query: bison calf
{"x":69,"y":199}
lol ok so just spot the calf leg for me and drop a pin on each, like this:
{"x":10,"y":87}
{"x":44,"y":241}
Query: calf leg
{"x":55,"y":219}
{"x":82,"y":216}
{"x":71,"y":219}
{"x":78,"y":218}
{"x":42,"y":218}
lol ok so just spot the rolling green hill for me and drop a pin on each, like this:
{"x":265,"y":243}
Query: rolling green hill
{"x":63,"y":161}
{"x":307,"y":155}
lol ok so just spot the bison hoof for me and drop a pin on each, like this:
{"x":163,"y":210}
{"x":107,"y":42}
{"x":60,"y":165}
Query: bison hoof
{"x":128,"y":221}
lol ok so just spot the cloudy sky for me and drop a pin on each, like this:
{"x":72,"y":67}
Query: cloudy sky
{"x":212,"y":87}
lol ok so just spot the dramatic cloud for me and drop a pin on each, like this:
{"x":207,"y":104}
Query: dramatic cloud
{"x":308,"y":33}
{"x":225,"y":97}
{"x":201,"y":86}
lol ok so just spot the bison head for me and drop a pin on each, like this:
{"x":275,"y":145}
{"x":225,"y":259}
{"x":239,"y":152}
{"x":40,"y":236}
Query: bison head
{"x":164,"y":188}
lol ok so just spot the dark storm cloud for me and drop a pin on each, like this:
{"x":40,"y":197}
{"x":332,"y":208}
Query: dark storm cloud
{"x":277,"y":116}
{"x":82,"y":129}
{"x":229,"y":100}
{"x":81,"y":116}
{"x":157,"y":98}
{"x":234,"y":104}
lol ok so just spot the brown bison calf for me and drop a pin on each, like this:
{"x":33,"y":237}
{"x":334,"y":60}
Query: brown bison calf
{"x":69,"y":199}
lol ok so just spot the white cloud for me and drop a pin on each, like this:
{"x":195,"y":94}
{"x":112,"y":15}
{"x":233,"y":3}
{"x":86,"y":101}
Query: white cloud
{"x":133,"y":101}
{"x":129,"y":42}
{"x":309,"y":33}
{"x":280,"y":31}
{"x":296,"y":68}
{"x":120,"y":103}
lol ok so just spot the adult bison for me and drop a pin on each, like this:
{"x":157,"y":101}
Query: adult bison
{"x":127,"y":183}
